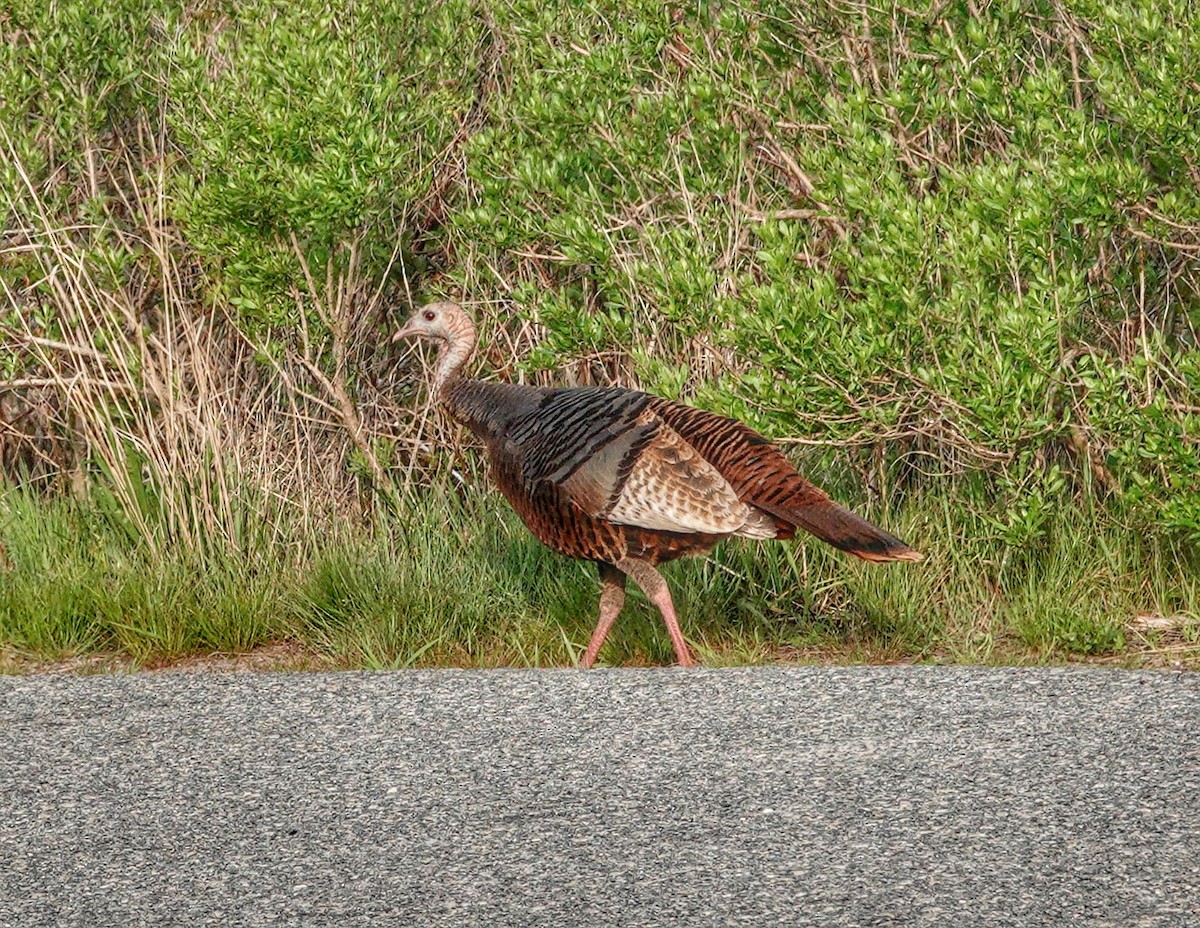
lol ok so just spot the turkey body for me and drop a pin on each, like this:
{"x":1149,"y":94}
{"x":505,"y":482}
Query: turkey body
{"x":629,"y":480}
{"x":606,"y":473}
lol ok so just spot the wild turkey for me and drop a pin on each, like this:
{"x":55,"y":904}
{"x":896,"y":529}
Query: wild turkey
{"x":630,"y":480}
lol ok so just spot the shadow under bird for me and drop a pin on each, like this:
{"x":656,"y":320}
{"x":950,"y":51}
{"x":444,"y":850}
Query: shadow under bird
{"x":629,"y":480}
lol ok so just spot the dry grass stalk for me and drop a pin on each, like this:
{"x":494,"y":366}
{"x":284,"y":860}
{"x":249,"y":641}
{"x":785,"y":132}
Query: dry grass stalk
{"x":166,"y":396}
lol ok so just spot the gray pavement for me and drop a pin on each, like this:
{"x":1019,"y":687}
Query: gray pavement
{"x":874,"y":797}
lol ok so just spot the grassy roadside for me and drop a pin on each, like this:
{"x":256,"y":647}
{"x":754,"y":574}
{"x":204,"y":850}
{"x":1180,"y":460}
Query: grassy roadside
{"x":948,"y":254}
{"x":456,"y":581}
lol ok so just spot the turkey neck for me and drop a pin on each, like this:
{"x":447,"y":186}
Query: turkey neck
{"x":489,"y":409}
{"x":480,"y":406}
{"x":455,"y":352}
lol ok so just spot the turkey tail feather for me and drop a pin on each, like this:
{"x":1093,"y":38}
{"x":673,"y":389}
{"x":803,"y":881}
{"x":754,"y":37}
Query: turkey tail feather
{"x":843,"y":529}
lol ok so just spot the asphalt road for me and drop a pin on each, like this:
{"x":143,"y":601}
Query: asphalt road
{"x":801,"y":796}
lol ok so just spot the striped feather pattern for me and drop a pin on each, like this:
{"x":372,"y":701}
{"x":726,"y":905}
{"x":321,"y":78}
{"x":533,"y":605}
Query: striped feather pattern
{"x":604,"y":473}
{"x":765,"y":479}
{"x":673,"y":488}
{"x":570,"y":426}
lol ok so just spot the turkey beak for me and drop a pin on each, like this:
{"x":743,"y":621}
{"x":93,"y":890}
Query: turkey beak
{"x":405,"y":331}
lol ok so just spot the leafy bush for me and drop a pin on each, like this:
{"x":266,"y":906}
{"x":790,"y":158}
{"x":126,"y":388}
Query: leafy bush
{"x":313,"y":124}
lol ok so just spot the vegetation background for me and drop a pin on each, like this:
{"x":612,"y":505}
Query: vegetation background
{"x":947,"y":252}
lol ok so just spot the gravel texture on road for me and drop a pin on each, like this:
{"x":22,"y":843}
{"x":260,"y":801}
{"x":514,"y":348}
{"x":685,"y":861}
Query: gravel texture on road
{"x":862,"y":796}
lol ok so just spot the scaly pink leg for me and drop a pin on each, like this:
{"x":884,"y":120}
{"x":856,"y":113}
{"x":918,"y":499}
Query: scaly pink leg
{"x":657,"y":591}
{"x":612,"y":597}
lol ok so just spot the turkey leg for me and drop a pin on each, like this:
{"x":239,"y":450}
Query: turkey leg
{"x":612,"y":597}
{"x":657,"y":591}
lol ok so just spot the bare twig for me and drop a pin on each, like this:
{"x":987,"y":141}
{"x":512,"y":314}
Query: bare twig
{"x":758,"y":215}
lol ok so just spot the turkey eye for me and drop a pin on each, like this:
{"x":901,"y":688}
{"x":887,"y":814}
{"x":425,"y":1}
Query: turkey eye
{"x":430,"y":315}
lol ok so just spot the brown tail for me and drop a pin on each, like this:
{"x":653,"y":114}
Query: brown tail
{"x":845,"y":530}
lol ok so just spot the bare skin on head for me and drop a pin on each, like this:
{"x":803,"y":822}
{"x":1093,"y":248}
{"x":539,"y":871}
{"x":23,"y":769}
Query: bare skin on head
{"x":629,"y":480}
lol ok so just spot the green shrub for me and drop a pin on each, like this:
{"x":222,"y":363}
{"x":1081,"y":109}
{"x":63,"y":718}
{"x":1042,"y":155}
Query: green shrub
{"x":313,"y":124}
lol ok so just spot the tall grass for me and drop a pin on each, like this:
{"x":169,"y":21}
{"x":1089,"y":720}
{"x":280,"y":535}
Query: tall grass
{"x":454,"y":579}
